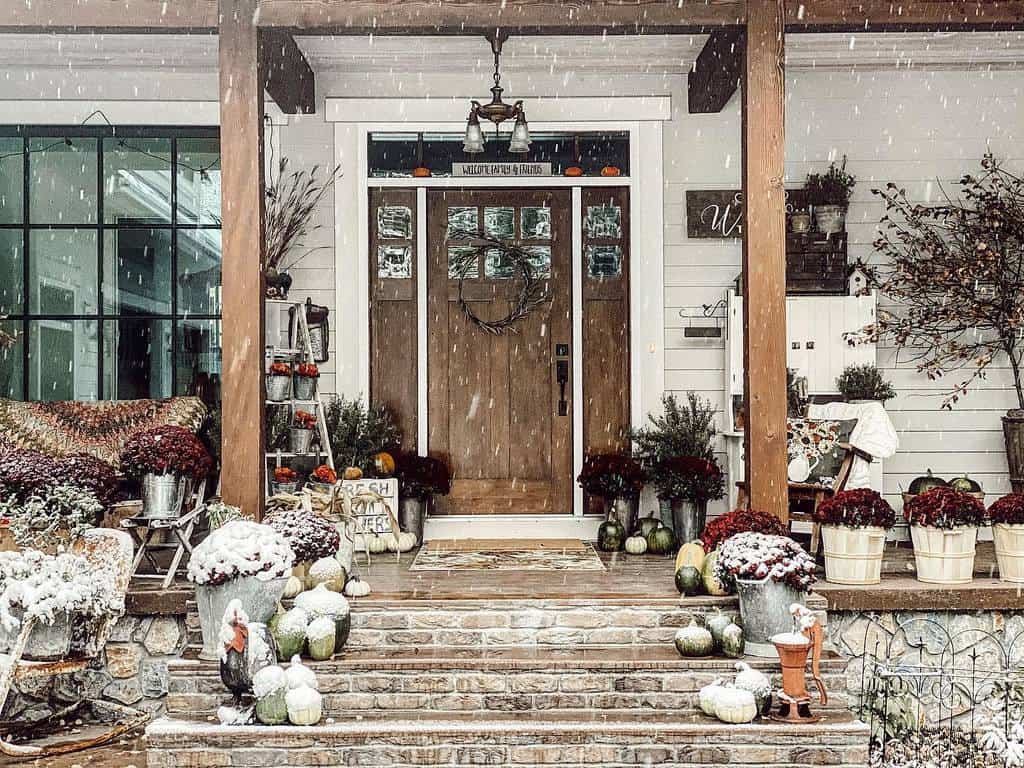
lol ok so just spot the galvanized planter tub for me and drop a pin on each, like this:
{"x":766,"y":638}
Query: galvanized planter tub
{"x":46,"y":642}
{"x":411,"y":514}
{"x":299,"y":440}
{"x":625,"y":510}
{"x":688,"y":519}
{"x":279,"y":388}
{"x":305,"y":387}
{"x":163,"y":495}
{"x":764,"y":608}
{"x":259,"y":601}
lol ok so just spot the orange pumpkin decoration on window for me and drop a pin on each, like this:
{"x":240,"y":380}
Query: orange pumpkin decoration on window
{"x":610,"y":170}
{"x":384,"y":464}
{"x":420,"y":172}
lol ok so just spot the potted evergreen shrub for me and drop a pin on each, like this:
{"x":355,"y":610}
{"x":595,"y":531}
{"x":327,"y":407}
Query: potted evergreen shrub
{"x":244,"y":561}
{"x":829,"y":195}
{"x":853,"y":525}
{"x":944,"y":528}
{"x":617,"y":480}
{"x":688,"y":483}
{"x":1007,"y":518}
{"x":864,"y":384}
{"x":358,"y":433}
{"x":166,"y":460}
{"x":420,"y":478}
{"x":770,"y":574}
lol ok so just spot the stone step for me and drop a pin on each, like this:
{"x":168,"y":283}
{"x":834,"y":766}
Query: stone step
{"x":416,"y":624}
{"x":525,"y":739}
{"x":438,"y":679}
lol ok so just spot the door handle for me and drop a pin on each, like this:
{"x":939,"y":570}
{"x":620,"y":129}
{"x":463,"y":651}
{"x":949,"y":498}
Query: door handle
{"x":562,"y":377}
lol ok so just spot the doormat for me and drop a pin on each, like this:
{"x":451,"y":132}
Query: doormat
{"x":507,"y":555}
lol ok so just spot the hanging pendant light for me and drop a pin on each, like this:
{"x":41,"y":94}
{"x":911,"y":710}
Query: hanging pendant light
{"x":496,"y":111}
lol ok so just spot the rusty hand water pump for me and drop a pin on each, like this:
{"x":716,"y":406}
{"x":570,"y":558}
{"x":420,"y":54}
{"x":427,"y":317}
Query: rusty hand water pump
{"x":793,"y":648}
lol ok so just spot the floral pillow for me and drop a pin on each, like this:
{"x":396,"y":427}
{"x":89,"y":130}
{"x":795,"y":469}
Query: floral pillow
{"x":815,"y":452}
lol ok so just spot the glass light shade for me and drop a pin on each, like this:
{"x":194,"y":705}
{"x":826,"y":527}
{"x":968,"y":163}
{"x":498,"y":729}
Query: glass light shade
{"x":520,"y":136}
{"x":474,"y":142}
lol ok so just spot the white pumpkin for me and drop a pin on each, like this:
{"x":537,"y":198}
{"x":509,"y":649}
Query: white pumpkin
{"x":636,"y":545}
{"x":327,"y":571}
{"x":707,"y":697}
{"x":734,"y":705}
{"x":292,"y":587}
{"x":404,"y":542}
{"x":300,"y":676}
{"x":356,"y":587}
{"x":305,"y":705}
{"x":375,"y":544}
{"x":753,"y":680}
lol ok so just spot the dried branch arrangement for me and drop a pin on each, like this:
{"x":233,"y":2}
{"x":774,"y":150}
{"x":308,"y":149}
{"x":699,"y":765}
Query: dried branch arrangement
{"x":291,"y":201}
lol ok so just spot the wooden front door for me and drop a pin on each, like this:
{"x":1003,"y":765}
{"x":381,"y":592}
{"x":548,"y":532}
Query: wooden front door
{"x":496,"y":411}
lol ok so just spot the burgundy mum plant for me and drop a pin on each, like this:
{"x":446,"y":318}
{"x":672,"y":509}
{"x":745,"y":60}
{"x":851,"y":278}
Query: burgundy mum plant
{"x":1008,"y":510}
{"x":740,"y":521}
{"x":610,"y":475}
{"x":309,"y":535}
{"x":420,"y":477}
{"x":944,"y":508}
{"x":166,"y":450}
{"x":858,"y":508}
{"x":24,"y":472}
{"x":758,"y":556}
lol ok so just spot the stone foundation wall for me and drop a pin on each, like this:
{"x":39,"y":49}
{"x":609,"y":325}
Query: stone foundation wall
{"x":132,"y":670}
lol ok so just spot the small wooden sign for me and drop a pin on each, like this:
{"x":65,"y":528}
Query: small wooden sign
{"x":489,"y":170}
{"x":377,"y":521}
{"x":718,"y":213}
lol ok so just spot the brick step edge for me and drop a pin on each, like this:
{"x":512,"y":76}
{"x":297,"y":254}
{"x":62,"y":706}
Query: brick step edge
{"x":694,"y":740}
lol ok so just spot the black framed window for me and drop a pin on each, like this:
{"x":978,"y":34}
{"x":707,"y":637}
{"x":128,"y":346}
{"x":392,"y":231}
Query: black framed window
{"x":110,"y":256}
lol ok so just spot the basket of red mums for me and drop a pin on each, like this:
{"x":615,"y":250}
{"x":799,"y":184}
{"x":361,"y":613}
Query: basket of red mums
{"x":322,"y":479}
{"x":285,"y":480}
{"x":853,"y":525}
{"x":1007,"y":517}
{"x":944,"y":526}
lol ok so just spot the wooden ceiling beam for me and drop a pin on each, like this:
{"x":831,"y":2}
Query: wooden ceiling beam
{"x":913,"y":15}
{"x":716,"y":72}
{"x":288,"y":78}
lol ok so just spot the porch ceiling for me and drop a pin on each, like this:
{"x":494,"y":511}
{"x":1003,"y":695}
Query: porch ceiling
{"x":626,"y":54}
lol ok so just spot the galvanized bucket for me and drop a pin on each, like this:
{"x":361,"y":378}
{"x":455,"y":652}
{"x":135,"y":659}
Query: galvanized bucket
{"x":830,"y":219}
{"x":46,"y":642}
{"x":411,"y":514}
{"x":279,"y":388}
{"x":764,"y":608}
{"x":688,"y":519}
{"x":625,"y":510}
{"x":163,"y":495}
{"x":276,"y":488}
{"x":259,"y":601}
{"x":299,"y":439}
{"x":305,"y":387}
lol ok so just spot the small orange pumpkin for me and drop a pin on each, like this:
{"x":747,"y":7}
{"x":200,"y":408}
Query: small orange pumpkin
{"x":352,"y":473}
{"x":573,"y":170}
{"x":610,"y":170}
{"x":384,"y":464}
{"x":420,"y":172}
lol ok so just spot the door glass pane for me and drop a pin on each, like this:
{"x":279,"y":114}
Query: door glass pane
{"x":198,"y":348}
{"x":394,"y":221}
{"x":462,"y":219}
{"x":604,"y":260}
{"x":136,"y":358}
{"x":137,"y":271}
{"x":63,"y":180}
{"x":199,"y":271}
{"x":199,"y":181}
{"x":500,"y":222}
{"x":62,"y":272}
{"x":11,"y":356}
{"x":12,"y":182}
{"x":536,"y":223}
{"x":394,"y":261}
{"x":498,"y":265}
{"x":136,"y":181}
{"x":12,"y":261}
{"x":457,"y":255}
{"x":540,"y":259}
{"x":63,"y":359}
{"x":604,"y":221}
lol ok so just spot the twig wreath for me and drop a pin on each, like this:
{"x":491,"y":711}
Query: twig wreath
{"x":531,"y":295}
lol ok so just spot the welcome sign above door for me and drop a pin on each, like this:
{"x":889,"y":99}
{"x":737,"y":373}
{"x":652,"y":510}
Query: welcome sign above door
{"x":501,"y":169}
{"x":718,"y":213}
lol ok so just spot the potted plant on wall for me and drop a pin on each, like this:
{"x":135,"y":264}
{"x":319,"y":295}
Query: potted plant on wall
{"x":420,"y":478}
{"x":617,"y":480}
{"x":944,"y":528}
{"x":240,"y":560}
{"x":829,"y":195}
{"x":770,"y":574}
{"x":1007,"y":518}
{"x":864,"y":384}
{"x":954,"y":284}
{"x":167,"y":460}
{"x":853,"y":525}
{"x":688,"y":483}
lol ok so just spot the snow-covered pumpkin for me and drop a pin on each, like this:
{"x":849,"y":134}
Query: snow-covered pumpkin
{"x":694,"y":640}
{"x":636,"y":545}
{"x":732,"y":641}
{"x":734,"y":705}
{"x":269,"y":687}
{"x":403,"y":542}
{"x":290,"y":633}
{"x":754,"y":681}
{"x":305,"y":705}
{"x":320,"y":638}
{"x":329,"y":572}
{"x":321,"y":601}
{"x":707,"y":697}
{"x":356,"y":587}
{"x":292,"y":587}
{"x":298,"y":675}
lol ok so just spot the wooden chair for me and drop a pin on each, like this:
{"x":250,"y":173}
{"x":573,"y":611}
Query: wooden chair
{"x":812,"y":493}
{"x":149,"y":534}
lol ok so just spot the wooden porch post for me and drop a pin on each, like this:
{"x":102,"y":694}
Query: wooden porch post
{"x":241,"y":143}
{"x":764,"y":257}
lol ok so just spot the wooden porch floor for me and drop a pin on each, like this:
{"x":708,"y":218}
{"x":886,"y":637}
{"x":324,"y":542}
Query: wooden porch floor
{"x":629,"y":579}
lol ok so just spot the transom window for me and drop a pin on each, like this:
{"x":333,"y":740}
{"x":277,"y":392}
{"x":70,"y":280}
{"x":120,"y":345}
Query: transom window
{"x":110,"y":247}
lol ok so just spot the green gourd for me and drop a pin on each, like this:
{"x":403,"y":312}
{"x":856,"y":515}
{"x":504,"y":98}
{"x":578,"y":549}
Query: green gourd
{"x":269,"y":686}
{"x":647,"y":525}
{"x":290,"y":634}
{"x":320,"y":638}
{"x":732,"y":641}
{"x":611,"y":536}
{"x":716,"y":624}
{"x":693,"y":640}
{"x":712,"y":584}
{"x":661,"y":541}
{"x":688,"y":581}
